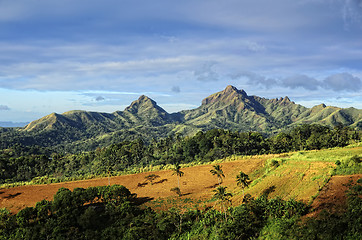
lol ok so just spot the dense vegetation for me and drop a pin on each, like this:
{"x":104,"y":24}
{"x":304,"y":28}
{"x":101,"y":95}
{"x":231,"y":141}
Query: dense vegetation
{"x":80,"y":144}
{"x":111,"y":212}
{"x":20,"y":163}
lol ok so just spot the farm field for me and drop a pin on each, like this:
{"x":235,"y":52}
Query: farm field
{"x":304,"y":175}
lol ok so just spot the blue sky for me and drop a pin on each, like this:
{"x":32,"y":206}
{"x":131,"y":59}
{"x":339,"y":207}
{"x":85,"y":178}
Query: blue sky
{"x":57,"y":56}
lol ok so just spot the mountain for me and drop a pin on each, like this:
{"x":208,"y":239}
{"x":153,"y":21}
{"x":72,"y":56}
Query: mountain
{"x":231,"y":109}
{"x":77,"y":127}
{"x":234,"y":109}
{"x":145,"y":111}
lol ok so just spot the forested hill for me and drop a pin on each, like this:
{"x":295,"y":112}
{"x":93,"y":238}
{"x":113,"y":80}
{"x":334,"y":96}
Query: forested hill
{"x":230,"y":109}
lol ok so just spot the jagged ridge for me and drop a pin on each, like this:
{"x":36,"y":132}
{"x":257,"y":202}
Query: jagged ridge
{"x":230,"y":109}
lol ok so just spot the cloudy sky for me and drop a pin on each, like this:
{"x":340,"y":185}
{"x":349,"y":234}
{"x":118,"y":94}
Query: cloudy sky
{"x":57,"y":56}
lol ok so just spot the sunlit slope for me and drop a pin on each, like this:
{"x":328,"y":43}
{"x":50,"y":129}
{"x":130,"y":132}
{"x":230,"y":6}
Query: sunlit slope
{"x":301,"y":175}
{"x":331,"y":116}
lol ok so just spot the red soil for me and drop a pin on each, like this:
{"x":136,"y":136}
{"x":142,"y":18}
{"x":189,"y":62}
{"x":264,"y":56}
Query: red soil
{"x":333,"y":195}
{"x":197,"y":183}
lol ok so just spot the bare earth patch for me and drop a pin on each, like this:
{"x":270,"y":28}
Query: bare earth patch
{"x":293,"y":179}
{"x":333,"y":195}
{"x":197,"y":183}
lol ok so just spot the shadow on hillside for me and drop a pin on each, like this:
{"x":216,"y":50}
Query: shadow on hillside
{"x":266,"y":192}
{"x":161,"y":181}
{"x":1,"y":192}
{"x":185,"y":194}
{"x":141,"y":184}
{"x":213,"y":186}
{"x":141,"y":200}
{"x":10,"y":196}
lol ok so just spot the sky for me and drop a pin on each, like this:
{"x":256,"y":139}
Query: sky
{"x":57,"y":56}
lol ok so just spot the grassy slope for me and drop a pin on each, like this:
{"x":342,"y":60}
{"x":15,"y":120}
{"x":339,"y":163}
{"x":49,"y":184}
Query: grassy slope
{"x":300,"y":175}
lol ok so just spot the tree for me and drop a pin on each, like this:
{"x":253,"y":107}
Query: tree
{"x":109,"y":161}
{"x":176,"y":190}
{"x":151,"y":177}
{"x":218,"y":172}
{"x":242,"y":180}
{"x":178,"y":172}
{"x":222,"y":196}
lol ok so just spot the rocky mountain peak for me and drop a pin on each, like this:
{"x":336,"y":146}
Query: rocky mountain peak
{"x":281,"y":100}
{"x":145,"y":106}
{"x":286,"y":100}
{"x":233,"y":90}
{"x":144,"y":98}
{"x":142,"y":102}
{"x":228,"y":95}
{"x":318,"y":107}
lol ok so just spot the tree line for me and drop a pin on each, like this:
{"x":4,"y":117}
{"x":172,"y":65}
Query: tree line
{"x":19,"y":163}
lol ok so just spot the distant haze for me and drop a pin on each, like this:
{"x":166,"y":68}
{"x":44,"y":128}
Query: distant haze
{"x":13,"y":124}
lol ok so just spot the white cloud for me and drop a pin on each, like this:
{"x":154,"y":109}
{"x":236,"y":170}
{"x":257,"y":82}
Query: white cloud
{"x":301,"y":81}
{"x":336,"y":82}
{"x":255,"y":79}
{"x":256,"y":47}
{"x":351,"y":12}
{"x":343,"y":82}
{"x":160,"y":47}
{"x":206,"y":72}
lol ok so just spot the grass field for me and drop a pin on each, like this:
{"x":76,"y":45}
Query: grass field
{"x":301,"y":175}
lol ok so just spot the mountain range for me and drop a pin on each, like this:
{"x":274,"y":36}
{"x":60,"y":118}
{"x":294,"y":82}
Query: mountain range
{"x":230,"y":109}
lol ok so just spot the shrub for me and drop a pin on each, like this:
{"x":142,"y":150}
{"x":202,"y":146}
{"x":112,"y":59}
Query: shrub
{"x":176,"y":190}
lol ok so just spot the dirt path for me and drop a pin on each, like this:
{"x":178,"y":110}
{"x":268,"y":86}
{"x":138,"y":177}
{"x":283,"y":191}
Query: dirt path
{"x":197,"y":183}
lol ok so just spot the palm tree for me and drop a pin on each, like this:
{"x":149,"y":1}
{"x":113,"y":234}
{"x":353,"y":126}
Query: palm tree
{"x":151,"y":177}
{"x":218,"y":172}
{"x":222,"y":196}
{"x":108,"y":163}
{"x":178,"y":172}
{"x":242,"y":180}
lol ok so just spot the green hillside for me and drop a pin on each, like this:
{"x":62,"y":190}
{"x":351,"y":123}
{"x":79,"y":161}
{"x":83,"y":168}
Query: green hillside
{"x":268,"y":207}
{"x":229,"y":109}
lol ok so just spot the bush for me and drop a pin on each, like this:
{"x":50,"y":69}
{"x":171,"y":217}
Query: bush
{"x":349,"y":166}
{"x":176,"y":190}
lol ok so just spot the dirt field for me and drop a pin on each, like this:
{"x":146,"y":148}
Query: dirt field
{"x":333,"y":195}
{"x":197,"y":183}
